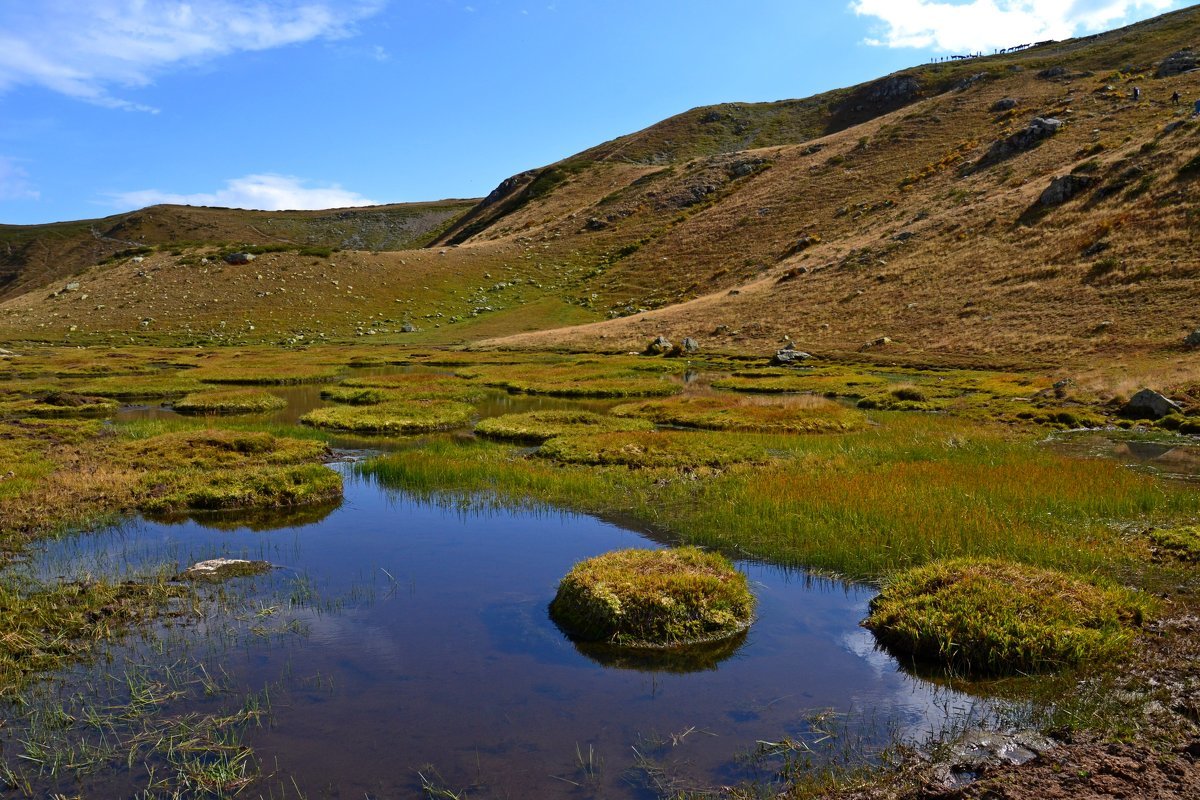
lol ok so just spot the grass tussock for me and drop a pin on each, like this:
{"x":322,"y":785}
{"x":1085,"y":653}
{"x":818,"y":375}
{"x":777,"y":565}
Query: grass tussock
{"x":57,"y":404}
{"x":992,"y":617}
{"x":536,"y":427}
{"x":247,"y":488}
{"x":268,"y":368}
{"x":1180,"y":543}
{"x":653,"y":449}
{"x":232,"y":401}
{"x":160,"y":385}
{"x":653,"y":598}
{"x":394,"y":417}
{"x":803,"y":414}
{"x":418,"y":386}
{"x":584,"y":379}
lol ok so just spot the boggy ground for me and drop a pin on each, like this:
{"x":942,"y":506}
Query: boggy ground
{"x":939,"y":464}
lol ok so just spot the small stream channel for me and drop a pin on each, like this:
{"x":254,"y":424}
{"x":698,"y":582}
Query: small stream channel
{"x":403,"y":638}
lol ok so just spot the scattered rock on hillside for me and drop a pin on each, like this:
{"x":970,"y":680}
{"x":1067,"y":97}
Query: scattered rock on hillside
{"x":1183,"y":61}
{"x":1005,"y":104}
{"x":968,"y":82}
{"x":660,"y":346}
{"x":882,"y":341}
{"x":595,"y":224}
{"x":408,"y":327}
{"x":792,"y":274}
{"x":690,"y":345}
{"x":1027,"y":138}
{"x":805,"y":242}
{"x":1065,"y":187}
{"x":1149,"y":404}
{"x":1192,"y":340}
{"x":1053,"y":72}
{"x":790,"y":355}
{"x":239,"y":258}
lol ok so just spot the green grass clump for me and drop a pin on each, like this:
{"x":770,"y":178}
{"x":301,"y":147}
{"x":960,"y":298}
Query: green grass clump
{"x":279,"y":368}
{"x":1181,"y":543}
{"x":653,"y":449}
{"x":803,"y":414}
{"x":990,"y":617}
{"x":217,"y":448}
{"x":262,"y":487}
{"x":584,"y":379}
{"x":352,"y":396}
{"x":653,"y":598}
{"x":823,"y":382}
{"x":231,"y":401}
{"x":394,"y":417}
{"x":418,"y":386}
{"x":536,"y":427}
{"x":58,"y":404}
{"x":140,"y":387}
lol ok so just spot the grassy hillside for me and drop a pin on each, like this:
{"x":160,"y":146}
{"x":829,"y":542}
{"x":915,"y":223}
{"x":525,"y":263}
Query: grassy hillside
{"x":908,"y":208}
{"x":33,"y":256}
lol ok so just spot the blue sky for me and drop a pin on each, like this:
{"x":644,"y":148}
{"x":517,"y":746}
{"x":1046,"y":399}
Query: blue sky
{"x":110,"y":105}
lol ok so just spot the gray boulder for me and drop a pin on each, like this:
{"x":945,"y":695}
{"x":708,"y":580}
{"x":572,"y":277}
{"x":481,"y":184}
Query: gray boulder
{"x":1193,"y":339}
{"x":1053,"y":72}
{"x":239,"y":258}
{"x":690,"y":346}
{"x":1005,"y":104}
{"x":790,"y":355}
{"x":1149,"y":404}
{"x":660,"y":346}
{"x":408,"y":327}
{"x":1063,"y":188}
{"x":1040,"y":129}
{"x":1183,"y":61}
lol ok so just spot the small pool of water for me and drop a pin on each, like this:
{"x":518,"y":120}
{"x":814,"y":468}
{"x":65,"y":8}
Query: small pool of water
{"x":426,"y":644}
{"x":1170,"y":457}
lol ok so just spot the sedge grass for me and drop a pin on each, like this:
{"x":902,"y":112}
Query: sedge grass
{"x":397,"y":417}
{"x":231,"y":401}
{"x":674,"y":449}
{"x":535,"y":427}
{"x":723,"y":412}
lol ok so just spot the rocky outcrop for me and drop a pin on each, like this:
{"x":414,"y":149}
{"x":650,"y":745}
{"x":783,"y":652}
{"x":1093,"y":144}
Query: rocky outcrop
{"x":1063,"y":188}
{"x":239,"y":258}
{"x":1027,"y":138}
{"x":659,"y":347}
{"x":1183,"y":61}
{"x":788,"y":355}
{"x":1005,"y":104}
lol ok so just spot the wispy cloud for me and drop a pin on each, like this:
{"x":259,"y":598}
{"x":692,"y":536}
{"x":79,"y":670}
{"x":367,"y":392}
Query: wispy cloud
{"x":85,"y":50}
{"x":986,"y":24}
{"x":265,"y":192}
{"x":14,"y":181}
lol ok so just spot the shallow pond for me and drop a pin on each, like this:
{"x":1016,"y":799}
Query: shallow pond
{"x":424,"y":646}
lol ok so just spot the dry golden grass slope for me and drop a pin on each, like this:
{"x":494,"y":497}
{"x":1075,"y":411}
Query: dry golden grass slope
{"x":859,"y":214}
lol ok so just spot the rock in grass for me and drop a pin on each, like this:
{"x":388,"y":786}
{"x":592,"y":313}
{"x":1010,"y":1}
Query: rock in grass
{"x":991,"y":617}
{"x":660,"y":346}
{"x":1193,"y":339}
{"x":653,"y":598}
{"x":218,"y":569}
{"x":1149,"y":404}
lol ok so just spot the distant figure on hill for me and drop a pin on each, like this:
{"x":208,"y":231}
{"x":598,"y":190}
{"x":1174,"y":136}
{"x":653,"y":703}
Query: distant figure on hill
{"x":1137,"y":93}
{"x":1175,"y":98}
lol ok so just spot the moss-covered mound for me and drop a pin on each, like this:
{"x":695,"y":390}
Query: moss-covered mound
{"x":232,"y":401}
{"x":989,"y":617}
{"x":393,"y":417}
{"x":585,"y":379}
{"x":1180,"y":543}
{"x":536,"y":427}
{"x":356,"y":396}
{"x":720,"y":412}
{"x":653,"y":598}
{"x":418,"y":386}
{"x":57,"y":404}
{"x":653,"y":449}
{"x":262,"y":487}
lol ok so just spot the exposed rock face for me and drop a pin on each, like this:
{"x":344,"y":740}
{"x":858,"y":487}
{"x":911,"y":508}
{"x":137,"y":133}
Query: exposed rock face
{"x":660,"y":346}
{"x":1182,"y":61}
{"x":690,"y":346}
{"x":893,"y":89}
{"x":1149,"y":404}
{"x":239,"y":258}
{"x":1039,"y":130}
{"x":1063,"y":188}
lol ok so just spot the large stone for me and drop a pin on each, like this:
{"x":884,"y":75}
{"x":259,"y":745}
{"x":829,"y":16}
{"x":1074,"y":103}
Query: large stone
{"x":1149,"y":404}
{"x":1065,"y":187}
{"x":690,"y":345}
{"x":1193,"y":339}
{"x":239,"y":258}
{"x":220,"y":568}
{"x":790,"y":355}
{"x":660,"y":346}
{"x":1005,"y":104}
{"x":408,"y":327}
{"x":1176,"y":63}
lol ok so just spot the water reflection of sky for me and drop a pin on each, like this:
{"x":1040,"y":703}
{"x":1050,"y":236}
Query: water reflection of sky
{"x":430,"y":633}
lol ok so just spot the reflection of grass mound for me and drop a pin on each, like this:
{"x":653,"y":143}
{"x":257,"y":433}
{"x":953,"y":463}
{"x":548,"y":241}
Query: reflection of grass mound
{"x":394,"y":417}
{"x":254,"y":519}
{"x":652,"y":449}
{"x":803,"y":414}
{"x":679,"y":660}
{"x":538,"y":426}
{"x":232,"y":401}
{"x":988,"y":617}
{"x":653,"y":598}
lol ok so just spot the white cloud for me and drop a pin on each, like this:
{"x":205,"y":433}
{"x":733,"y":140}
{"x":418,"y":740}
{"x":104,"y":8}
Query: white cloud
{"x":264,"y":192}
{"x":85,"y":49}
{"x":983,"y":25}
{"x":14,"y":181}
